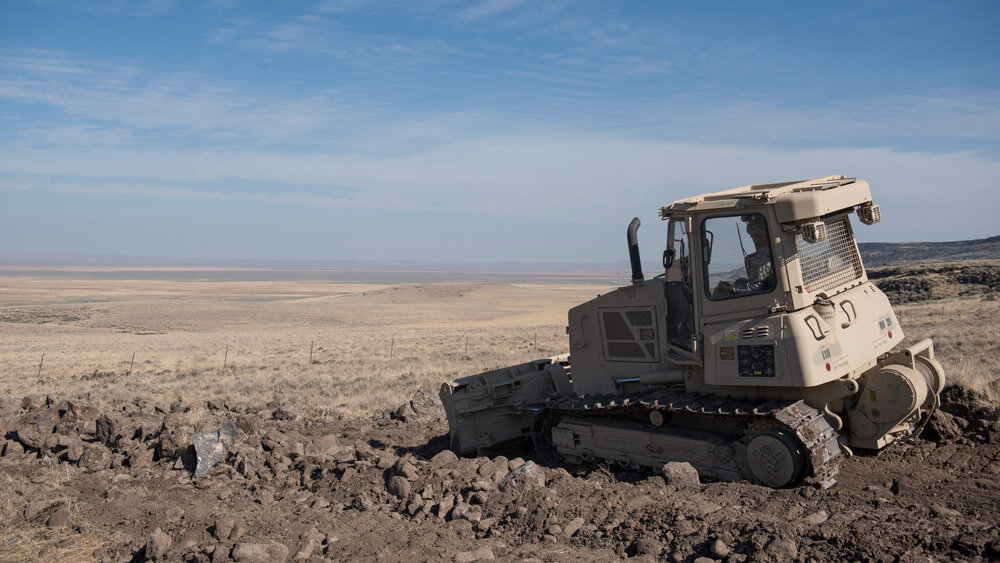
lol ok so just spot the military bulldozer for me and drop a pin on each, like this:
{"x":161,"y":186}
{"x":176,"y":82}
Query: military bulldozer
{"x":761,"y":353}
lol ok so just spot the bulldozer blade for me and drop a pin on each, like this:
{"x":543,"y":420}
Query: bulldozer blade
{"x":211,"y":447}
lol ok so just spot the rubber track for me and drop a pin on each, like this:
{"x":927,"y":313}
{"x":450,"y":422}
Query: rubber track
{"x":808,"y":424}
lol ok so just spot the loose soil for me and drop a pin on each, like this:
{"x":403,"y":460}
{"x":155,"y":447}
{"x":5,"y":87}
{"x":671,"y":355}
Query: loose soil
{"x":118,"y":485}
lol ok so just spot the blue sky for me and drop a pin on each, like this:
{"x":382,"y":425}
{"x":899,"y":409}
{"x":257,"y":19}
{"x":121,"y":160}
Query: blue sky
{"x":499,"y":130}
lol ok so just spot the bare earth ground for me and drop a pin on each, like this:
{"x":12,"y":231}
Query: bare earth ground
{"x":343,"y":457}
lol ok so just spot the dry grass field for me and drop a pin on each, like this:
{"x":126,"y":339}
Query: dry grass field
{"x":371,"y":345}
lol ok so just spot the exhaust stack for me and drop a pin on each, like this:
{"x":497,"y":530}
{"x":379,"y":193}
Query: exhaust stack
{"x":633,"y":252}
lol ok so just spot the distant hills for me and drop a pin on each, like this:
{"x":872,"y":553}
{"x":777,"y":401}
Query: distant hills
{"x":921,"y":271}
{"x":878,"y":254}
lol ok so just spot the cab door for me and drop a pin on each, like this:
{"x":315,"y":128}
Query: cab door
{"x":682,"y":337}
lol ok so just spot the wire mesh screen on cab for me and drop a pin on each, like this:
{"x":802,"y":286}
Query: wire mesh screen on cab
{"x":829,"y":263}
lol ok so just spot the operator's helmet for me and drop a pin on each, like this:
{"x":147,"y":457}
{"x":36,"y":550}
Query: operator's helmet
{"x":755,"y":224}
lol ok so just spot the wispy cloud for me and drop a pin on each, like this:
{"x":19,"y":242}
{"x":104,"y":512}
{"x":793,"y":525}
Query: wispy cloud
{"x":594,"y":180}
{"x":488,"y":8}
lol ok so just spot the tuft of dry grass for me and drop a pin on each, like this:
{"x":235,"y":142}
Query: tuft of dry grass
{"x":966,"y":334}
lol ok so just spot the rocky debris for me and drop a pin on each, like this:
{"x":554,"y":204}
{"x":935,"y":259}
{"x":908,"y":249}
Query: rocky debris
{"x":157,"y":545}
{"x":110,"y":429}
{"x":180,"y":406}
{"x":60,"y":517}
{"x":719,"y":549}
{"x":287,"y":411}
{"x":783,"y":549}
{"x":526,"y":477}
{"x":271,"y":552}
{"x":174,"y":437}
{"x":645,"y":545}
{"x":405,"y":468}
{"x":399,"y":487}
{"x":482,"y":554}
{"x":12,"y":448}
{"x":573,"y":527}
{"x":35,"y":427}
{"x":212,"y":447}
{"x":681,"y":475}
{"x":444,"y":457}
{"x":944,"y":426}
{"x":223,"y":527}
{"x":406,"y":412}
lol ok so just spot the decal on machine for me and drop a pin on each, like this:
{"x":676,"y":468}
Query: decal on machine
{"x":886,"y":326}
{"x":830,"y":357}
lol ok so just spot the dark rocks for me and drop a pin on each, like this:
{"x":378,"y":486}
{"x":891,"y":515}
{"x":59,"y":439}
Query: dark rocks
{"x":95,"y":457}
{"x":180,"y":406}
{"x":74,"y":449}
{"x":405,"y":412}
{"x":35,"y":427}
{"x":80,"y":412}
{"x":110,"y":429}
{"x":138,"y":456}
{"x":211,"y":447}
{"x":287,"y":411}
{"x":174,"y":437}
{"x":944,"y":426}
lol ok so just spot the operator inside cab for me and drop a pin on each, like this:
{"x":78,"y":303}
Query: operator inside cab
{"x":759,"y":265}
{"x":731,"y":270}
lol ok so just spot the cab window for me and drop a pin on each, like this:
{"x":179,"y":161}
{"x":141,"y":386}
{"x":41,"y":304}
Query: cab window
{"x":736,"y":254}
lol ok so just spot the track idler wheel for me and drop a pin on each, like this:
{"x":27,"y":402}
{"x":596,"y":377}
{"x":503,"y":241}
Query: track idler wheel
{"x":775,"y":457}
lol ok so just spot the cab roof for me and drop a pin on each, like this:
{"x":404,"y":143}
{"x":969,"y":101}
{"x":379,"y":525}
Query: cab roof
{"x":798,"y":200}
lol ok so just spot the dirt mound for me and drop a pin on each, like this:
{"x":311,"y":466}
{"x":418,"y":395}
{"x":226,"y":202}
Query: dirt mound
{"x":82,"y":483}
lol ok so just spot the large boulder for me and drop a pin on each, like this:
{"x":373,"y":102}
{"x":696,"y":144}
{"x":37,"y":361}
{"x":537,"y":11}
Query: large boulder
{"x":35,"y":427}
{"x":111,"y":429}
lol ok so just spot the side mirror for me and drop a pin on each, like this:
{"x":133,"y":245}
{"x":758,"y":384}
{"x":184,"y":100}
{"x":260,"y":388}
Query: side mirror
{"x":668,"y":258}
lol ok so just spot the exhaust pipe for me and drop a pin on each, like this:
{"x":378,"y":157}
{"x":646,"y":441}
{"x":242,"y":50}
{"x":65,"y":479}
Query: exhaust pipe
{"x":633,"y":251}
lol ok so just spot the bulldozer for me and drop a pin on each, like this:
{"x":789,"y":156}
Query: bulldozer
{"x":761,"y":353}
